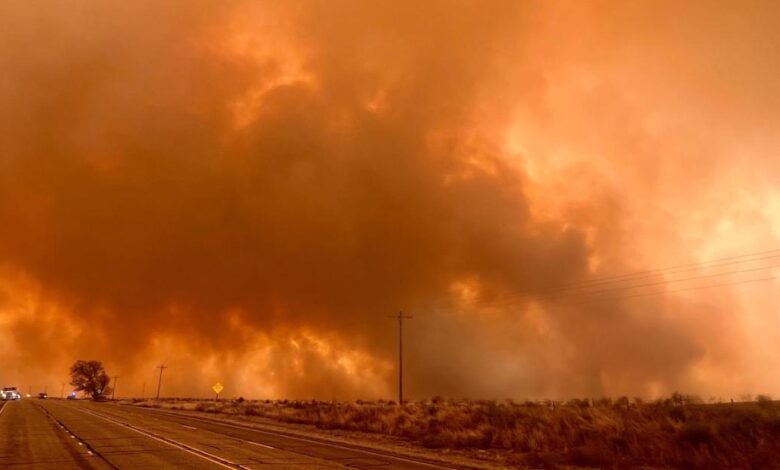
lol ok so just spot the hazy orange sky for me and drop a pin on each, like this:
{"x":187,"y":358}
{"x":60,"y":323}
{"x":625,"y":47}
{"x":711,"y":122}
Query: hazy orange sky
{"x":245,"y":190}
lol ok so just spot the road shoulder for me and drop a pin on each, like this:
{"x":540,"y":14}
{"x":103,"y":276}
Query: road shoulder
{"x":355,"y":440}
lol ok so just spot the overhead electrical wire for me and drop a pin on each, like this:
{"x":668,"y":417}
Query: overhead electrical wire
{"x":613,"y":284}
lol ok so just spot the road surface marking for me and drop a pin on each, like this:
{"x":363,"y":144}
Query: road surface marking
{"x":171,"y":442}
{"x":262,"y":445}
{"x":67,"y":431}
{"x":2,"y":408}
{"x":238,"y":439}
{"x":301,"y":439}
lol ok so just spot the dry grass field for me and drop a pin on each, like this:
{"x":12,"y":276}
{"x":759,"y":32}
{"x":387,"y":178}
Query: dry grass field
{"x":679,"y":432}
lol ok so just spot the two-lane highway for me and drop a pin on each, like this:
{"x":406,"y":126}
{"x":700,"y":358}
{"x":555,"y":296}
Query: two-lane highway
{"x":129,"y":440}
{"x":70,"y":434}
{"x":31,"y":439}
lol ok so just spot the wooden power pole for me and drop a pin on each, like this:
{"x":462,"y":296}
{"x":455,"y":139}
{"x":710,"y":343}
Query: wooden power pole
{"x":401,"y":317}
{"x":159,"y":381}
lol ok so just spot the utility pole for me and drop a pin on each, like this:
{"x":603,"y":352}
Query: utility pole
{"x":143,"y":391}
{"x":62,"y":391}
{"x":113,"y":390}
{"x":401,"y":317}
{"x":159,"y":382}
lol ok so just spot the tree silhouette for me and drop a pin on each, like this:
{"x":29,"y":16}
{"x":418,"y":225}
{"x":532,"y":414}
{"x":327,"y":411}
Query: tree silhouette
{"x":90,"y":377}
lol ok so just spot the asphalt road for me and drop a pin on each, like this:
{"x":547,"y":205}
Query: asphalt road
{"x":31,"y":439}
{"x":44,"y":434}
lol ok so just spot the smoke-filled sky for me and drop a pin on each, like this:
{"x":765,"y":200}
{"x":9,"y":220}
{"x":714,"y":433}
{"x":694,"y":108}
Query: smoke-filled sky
{"x":245,"y":191}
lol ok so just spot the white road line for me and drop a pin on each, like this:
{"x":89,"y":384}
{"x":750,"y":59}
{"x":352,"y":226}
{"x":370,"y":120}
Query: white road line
{"x":262,"y":445}
{"x":192,"y":450}
{"x":2,"y":408}
{"x":73,"y":436}
{"x":303,"y":439}
{"x":221,"y":434}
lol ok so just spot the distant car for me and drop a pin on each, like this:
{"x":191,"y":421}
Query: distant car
{"x":72,"y":396}
{"x":43,"y":396}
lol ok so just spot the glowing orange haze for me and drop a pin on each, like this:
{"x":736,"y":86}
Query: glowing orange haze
{"x":245,"y":190}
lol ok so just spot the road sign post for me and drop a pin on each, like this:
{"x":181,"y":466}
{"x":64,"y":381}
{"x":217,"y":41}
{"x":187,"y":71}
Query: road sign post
{"x":217,"y":388}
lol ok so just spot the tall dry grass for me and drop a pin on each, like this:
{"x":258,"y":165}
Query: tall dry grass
{"x":679,"y":432}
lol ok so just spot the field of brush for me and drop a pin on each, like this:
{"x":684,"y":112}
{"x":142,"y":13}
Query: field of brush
{"x":675,"y":432}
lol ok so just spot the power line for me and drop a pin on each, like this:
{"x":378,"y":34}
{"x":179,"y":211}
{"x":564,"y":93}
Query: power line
{"x":669,"y":281}
{"x":660,"y":273}
{"x":710,"y":286}
{"x":737,"y":259}
{"x":650,"y":294}
{"x":569,"y":290}
{"x":704,"y":276}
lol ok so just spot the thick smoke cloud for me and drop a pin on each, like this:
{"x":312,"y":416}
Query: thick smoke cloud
{"x":245,"y":191}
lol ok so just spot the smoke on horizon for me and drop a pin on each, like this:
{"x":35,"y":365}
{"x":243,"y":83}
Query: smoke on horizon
{"x":245,"y":191}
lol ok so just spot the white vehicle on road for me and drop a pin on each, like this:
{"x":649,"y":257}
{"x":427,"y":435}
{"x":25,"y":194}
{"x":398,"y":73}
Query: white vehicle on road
{"x":10,"y":393}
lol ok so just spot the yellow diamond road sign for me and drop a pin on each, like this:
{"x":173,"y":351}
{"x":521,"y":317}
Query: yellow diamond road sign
{"x":217,"y":388}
